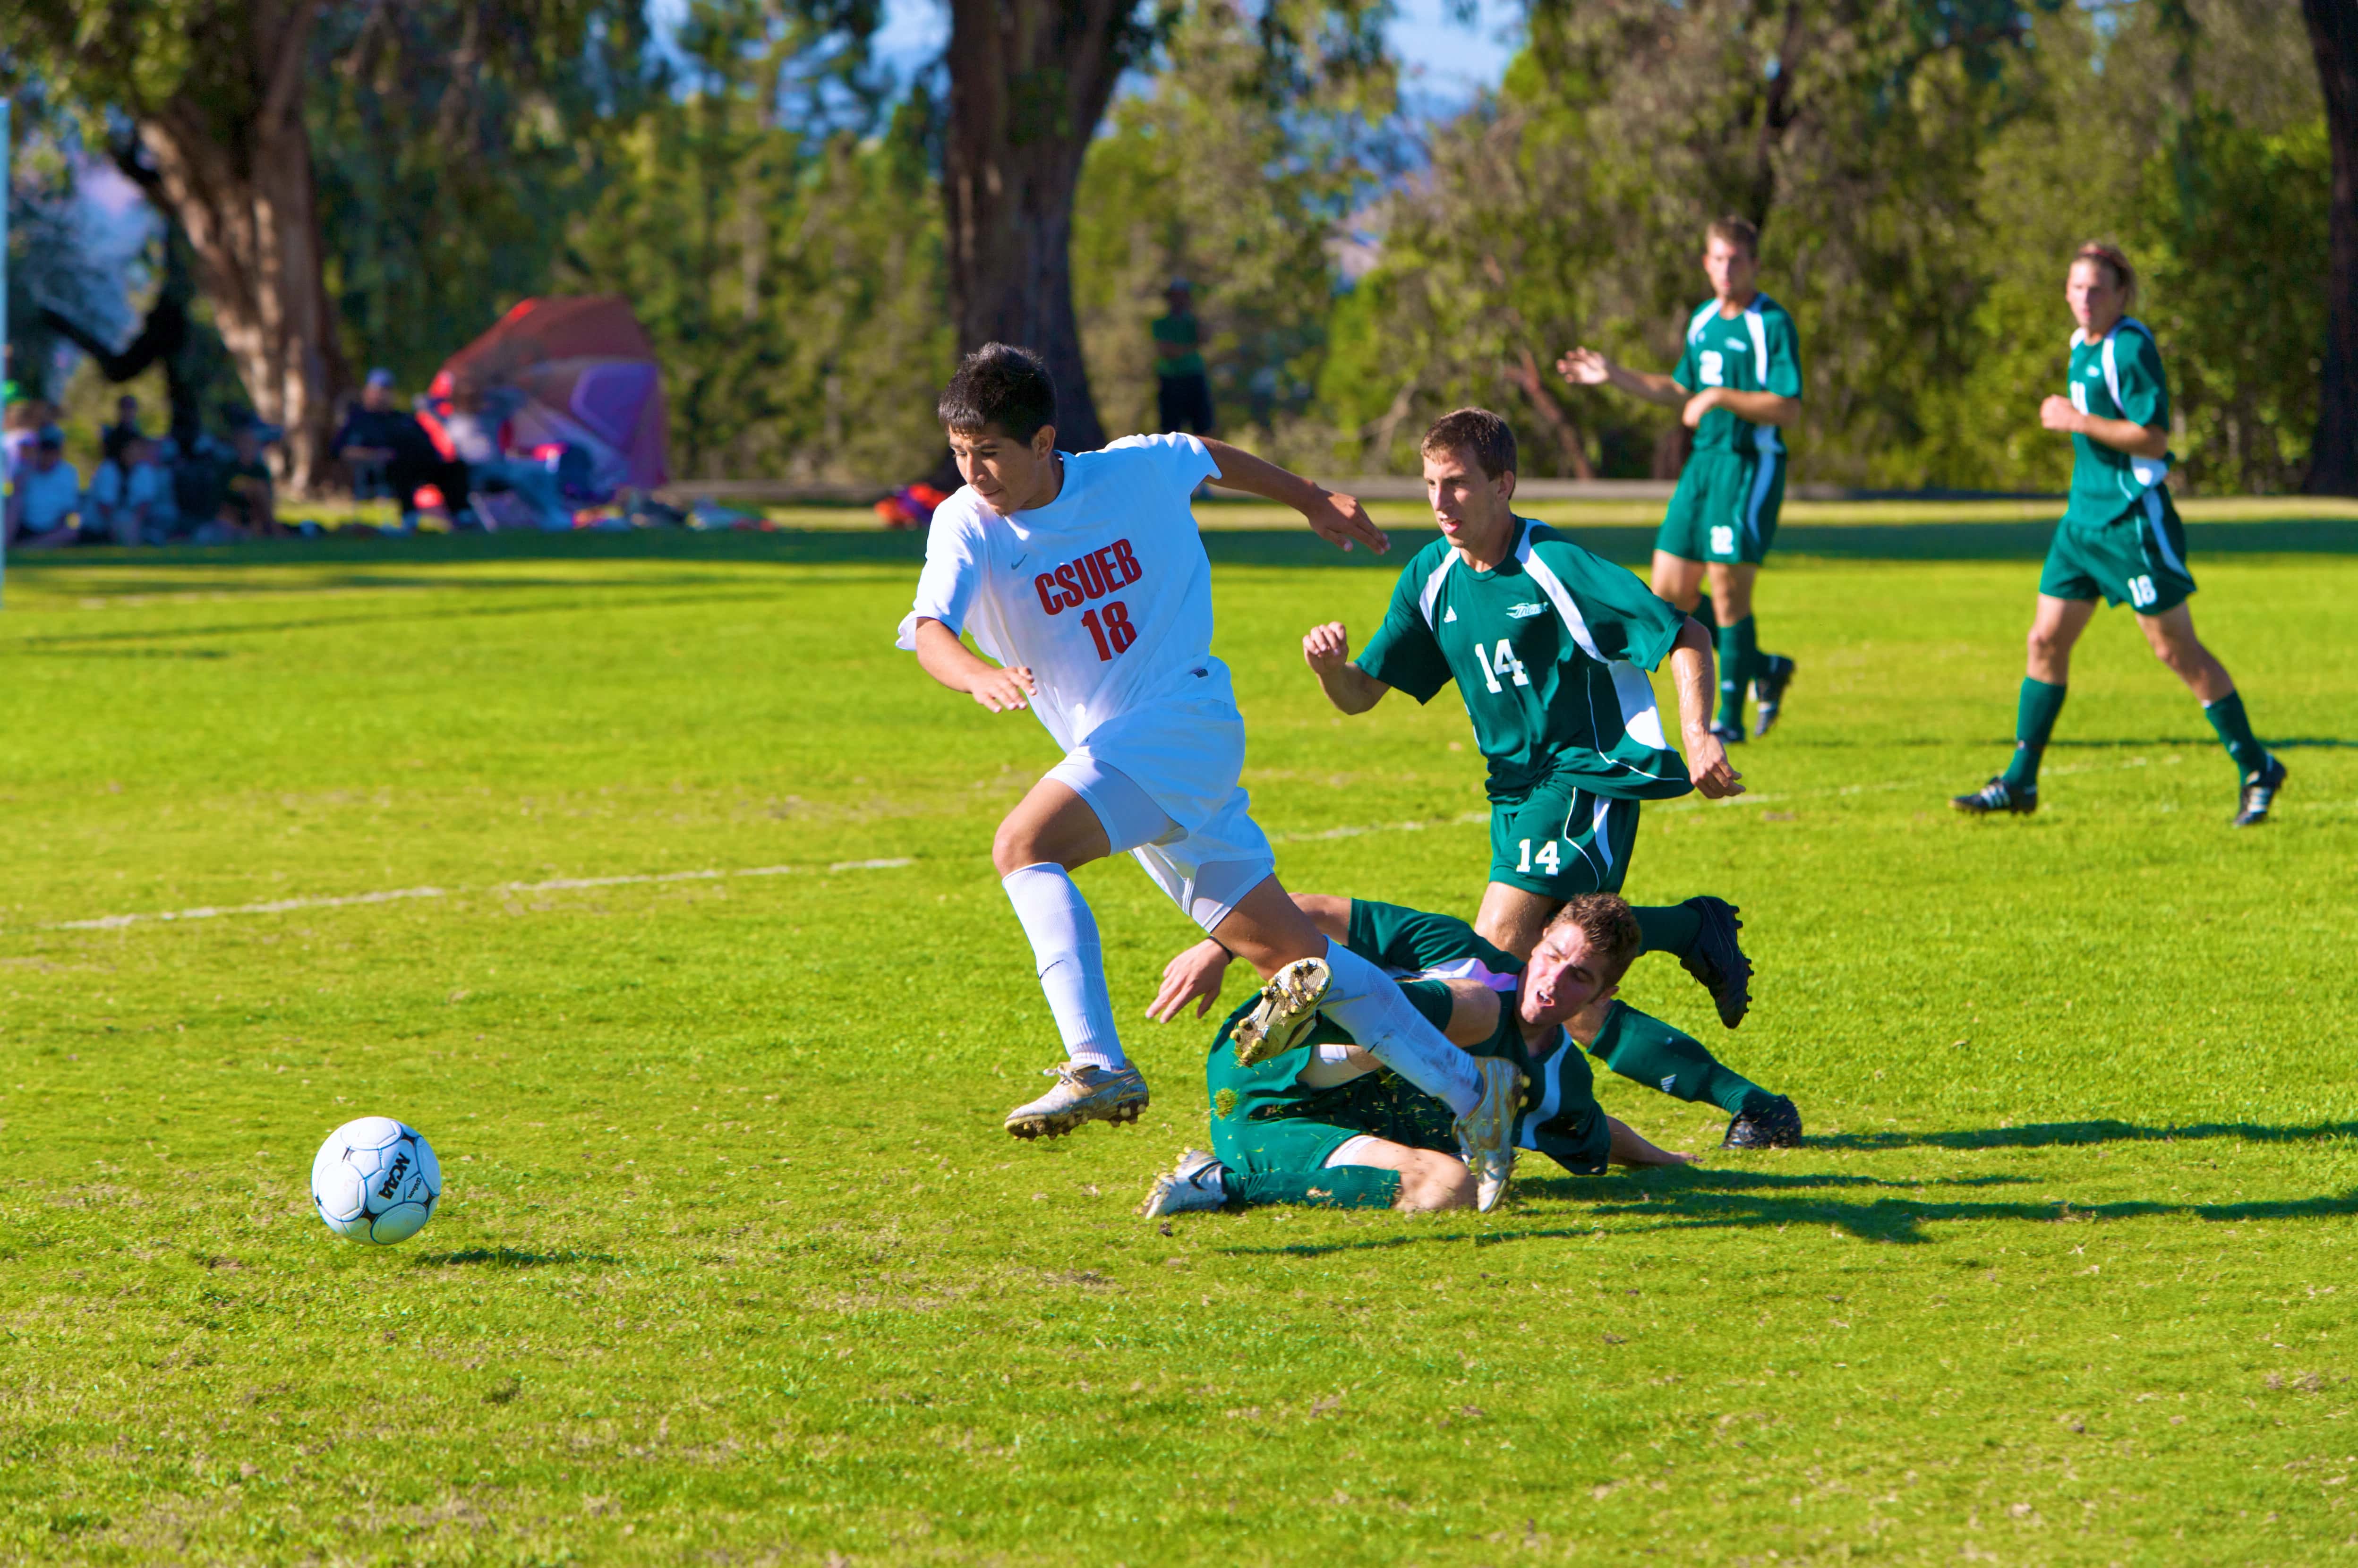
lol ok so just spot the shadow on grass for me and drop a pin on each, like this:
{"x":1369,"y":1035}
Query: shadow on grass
{"x":509,"y":1258}
{"x":1243,"y":546}
{"x":2047,"y":1134}
{"x":1897,"y":1220}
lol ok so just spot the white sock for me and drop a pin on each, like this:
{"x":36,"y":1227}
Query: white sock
{"x":1072,"y":968}
{"x":1365,"y":1001}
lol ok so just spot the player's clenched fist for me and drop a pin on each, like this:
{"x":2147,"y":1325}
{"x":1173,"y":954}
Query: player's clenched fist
{"x":1004,"y":691}
{"x":1327,"y":648}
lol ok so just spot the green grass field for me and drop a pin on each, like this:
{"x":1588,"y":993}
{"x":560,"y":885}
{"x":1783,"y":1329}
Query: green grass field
{"x":647,"y":879}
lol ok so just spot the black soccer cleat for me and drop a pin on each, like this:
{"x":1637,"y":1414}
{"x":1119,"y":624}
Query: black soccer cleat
{"x":1995,"y":797}
{"x":1717,"y":962}
{"x":2260,"y":794}
{"x":1772,"y":1125}
{"x":1768,"y":691}
{"x":1727,"y":734}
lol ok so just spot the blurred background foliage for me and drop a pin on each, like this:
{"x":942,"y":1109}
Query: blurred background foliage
{"x":769,"y":200}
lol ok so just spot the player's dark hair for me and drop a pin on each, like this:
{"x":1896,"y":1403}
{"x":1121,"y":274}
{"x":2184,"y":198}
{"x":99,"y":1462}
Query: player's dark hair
{"x":1737,"y":231}
{"x":2112,"y":260}
{"x":1609,"y":924}
{"x":1473,"y":434}
{"x":1000,"y":387}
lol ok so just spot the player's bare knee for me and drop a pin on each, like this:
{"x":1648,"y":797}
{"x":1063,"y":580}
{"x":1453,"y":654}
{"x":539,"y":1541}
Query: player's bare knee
{"x":1434,"y":1181}
{"x":1015,"y":846}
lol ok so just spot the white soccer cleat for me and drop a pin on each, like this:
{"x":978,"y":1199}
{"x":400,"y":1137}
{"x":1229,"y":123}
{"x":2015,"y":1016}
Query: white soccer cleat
{"x":1486,"y":1135}
{"x":1082,"y":1094}
{"x":1198,"y":1184}
{"x":1287,"y":1008}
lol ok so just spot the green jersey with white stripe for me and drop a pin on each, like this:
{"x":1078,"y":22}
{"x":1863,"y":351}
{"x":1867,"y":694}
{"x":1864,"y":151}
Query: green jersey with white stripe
{"x":1550,"y":651}
{"x":1755,"y":350}
{"x":2116,"y":376}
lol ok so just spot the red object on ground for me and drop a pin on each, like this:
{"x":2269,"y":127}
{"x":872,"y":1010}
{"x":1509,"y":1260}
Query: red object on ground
{"x":910,"y":505}
{"x":430,"y":498}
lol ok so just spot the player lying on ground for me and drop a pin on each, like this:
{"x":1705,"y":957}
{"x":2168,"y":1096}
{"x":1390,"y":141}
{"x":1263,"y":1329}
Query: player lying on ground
{"x":2120,"y":537}
{"x":1549,"y":645}
{"x":1323,"y":1125}
{"x":1083,"y":577}
{"x":1738,"y":382}
{"x":1424,"y":948}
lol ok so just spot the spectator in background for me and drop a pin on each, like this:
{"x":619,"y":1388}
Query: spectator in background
{"x":391,"y":454}
{"x":130,"y":499}
{"x":113,"y":439}
{"x":249,"y":506}
{"x":45,"y":495}
{"x":1183,"y":398}
{"x":24,"y":420}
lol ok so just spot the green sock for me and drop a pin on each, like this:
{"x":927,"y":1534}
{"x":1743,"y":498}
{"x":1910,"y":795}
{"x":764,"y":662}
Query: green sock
{"x":1668,"y":928}
{"x":1646,"y":1050}
{"x":1338,"y":1186}
{"x":2034,"y":721}
{"x":1732,"y":672}
{"x":2226,"y":716}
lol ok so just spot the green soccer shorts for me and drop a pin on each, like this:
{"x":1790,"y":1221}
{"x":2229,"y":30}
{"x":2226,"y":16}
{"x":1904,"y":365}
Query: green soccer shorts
{"x":1724,"y":508}
{"x":1556,"y":841}
{"x":2139,"y":558}
{"x":1378,"y":1105}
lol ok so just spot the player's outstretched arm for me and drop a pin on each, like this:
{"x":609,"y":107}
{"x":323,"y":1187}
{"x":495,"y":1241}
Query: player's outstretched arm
{"x":1586,"y":367}
{"x":1339,"y":519}
{"x":2121,"y":434}
{"x":1629,"y":1149}
{"x":1327,"y":650}
{"x":1690,"y":672}
{"x":960,"y":668}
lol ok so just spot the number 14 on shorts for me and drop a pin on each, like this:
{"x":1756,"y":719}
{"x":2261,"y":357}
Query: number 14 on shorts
{"x":1550,"y":860}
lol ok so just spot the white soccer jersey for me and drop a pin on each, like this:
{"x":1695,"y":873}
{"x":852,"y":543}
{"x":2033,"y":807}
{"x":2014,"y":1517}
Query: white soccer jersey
{"x":1105,"y":593}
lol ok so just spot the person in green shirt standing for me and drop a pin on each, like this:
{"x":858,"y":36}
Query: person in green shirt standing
{"x":1737,"y":385}
{"x":2120,"y":537}
{"x":1183,"y":394}
{"x":1549,"y":645}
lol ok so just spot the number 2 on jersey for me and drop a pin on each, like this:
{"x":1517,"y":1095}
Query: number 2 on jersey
{"x":1502,"y":665}
{"x":1114,"y":634}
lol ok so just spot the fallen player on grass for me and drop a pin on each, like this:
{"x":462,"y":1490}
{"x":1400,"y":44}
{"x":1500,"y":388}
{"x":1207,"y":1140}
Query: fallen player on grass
{"x":1324,"y":1125}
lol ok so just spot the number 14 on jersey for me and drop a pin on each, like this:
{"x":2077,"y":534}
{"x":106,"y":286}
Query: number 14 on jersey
{"x":1501,"y":666}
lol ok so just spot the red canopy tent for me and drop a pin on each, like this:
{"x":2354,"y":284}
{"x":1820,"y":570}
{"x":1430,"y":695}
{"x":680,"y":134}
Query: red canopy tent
{"x":588,"y":380}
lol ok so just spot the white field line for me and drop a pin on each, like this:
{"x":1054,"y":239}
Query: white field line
{"x":564,"y":884}
{"x":555,"y":884}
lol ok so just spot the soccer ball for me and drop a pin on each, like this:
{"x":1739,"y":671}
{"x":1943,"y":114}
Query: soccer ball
{"x":376,"y":1180}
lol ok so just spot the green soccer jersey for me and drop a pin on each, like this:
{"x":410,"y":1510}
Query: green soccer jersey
{"x":1559,"y":1119}
{"x":2116,"y":376}
{"x":1550,"y":651}
{"x":1182,"y":334}
{"x":1754,"y":351}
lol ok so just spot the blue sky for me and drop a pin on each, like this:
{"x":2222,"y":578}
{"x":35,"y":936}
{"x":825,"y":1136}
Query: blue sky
{"x":1445,"y":63}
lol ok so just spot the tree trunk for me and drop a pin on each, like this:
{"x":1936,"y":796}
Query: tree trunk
{"x":248,"y":205}
{"x":2333,"y":457}
{"x":1029,"y":82}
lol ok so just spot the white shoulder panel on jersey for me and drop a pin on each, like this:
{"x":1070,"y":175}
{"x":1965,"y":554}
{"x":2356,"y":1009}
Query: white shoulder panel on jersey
{"x":1700,"y":318}
{"x":2147,"y":471}
{"x":1432,"y":591}
{"x":1639,"y":716}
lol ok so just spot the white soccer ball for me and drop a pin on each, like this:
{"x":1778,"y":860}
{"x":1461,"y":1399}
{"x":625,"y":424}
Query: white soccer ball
{"x":376,"y":1180}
